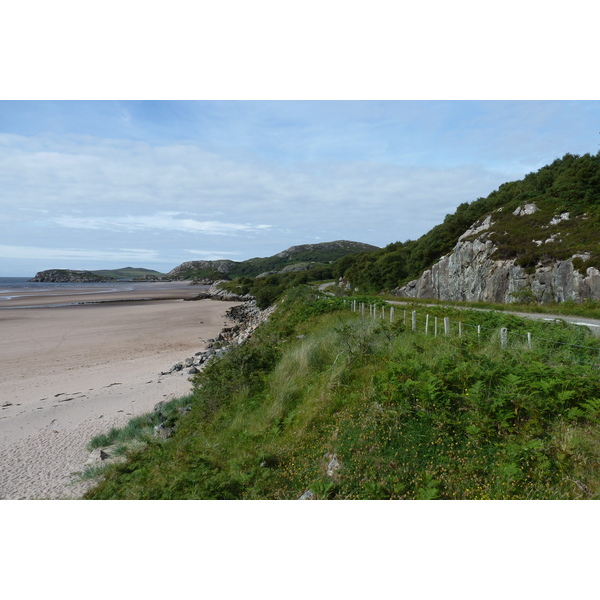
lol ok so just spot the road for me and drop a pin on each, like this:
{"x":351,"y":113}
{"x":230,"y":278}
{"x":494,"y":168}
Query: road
{"x":592,"y":324}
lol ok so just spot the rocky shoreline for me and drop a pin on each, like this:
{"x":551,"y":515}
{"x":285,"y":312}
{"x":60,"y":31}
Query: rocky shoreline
{"x":246,"y":316}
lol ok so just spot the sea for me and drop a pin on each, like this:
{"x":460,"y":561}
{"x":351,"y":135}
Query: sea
{"x":18,"y":287}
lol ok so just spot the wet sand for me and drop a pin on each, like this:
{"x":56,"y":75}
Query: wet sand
{"x":69,"y":373}
{"x":49,"y":295}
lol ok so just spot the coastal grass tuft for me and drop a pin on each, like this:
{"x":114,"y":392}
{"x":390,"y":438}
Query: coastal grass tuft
{"x":347,"y":407}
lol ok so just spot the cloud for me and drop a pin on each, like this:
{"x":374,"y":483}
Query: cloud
{"x":214,"y":254}
{"x":164,"y":221}
{"x":117,"y":254}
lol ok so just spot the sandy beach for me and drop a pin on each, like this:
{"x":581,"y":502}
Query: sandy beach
{"x":71,"y":372}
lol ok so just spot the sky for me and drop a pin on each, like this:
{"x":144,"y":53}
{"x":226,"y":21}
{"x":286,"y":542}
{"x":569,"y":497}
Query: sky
{"x":106,"y":184}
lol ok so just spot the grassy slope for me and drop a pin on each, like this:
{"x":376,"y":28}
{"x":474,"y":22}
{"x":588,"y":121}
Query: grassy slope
{"x":406,"y":415}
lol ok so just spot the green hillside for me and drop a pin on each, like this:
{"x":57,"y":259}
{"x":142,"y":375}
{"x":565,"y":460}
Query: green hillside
{"x":324,"y":402}
{"x":570,"y":184}
{"x":317,"y":254}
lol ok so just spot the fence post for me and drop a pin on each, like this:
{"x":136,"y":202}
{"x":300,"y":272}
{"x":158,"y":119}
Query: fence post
{"x":414,"y":320}
{"x":447,"y":325}
{"x":478,"y":333}
{"x":392,"y":314}
{"x":426,"y":324}
{"x":404,"y":317}
{"x":460,"y":329}
{"x":503,"y":337}
{"x":362,"y":310}
{"x":529,"y":339}
{"x":435,"y":326}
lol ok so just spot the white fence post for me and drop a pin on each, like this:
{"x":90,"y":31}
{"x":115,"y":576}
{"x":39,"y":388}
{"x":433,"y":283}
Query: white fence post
{"x":529,"y":339}
{"x":426,"y":324}
{"x":503,"y":337}
{"x":447,"y":325}
{"x":435,"y":326}
{"x":392,"y":314}
{"x":414,"y":320}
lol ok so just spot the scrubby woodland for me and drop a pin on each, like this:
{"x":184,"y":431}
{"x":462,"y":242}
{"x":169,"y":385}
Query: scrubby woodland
{"x":570,"y":184}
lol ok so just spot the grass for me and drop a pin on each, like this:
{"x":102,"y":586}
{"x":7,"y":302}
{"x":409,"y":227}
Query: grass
{"x":405,"y":415}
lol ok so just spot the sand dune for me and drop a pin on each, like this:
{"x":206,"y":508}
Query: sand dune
{"x":70,"y":373}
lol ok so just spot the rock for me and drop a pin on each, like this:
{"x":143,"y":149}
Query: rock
{"x":193,"y":371}
{"x":333,"y":466}
{"x":528,"y":209}
{"x":163,"y":432}
{"x":469,"y":273}
{"x":308,"y":495}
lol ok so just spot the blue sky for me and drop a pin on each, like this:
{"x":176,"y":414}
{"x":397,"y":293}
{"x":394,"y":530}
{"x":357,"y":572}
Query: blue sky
{"x":106,"y":184}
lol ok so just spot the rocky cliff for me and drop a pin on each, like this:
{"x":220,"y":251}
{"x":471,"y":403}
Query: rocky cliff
{"x":474,"y":271}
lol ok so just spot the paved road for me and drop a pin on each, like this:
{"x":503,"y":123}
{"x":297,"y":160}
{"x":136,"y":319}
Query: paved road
{"x":592,"y":324}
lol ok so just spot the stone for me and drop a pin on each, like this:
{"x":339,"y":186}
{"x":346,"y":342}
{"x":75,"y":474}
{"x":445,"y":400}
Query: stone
{"x":469,"y":273}
{"x":308,"y":495}
{"x":333,"y":466}
{"x":528,"y":209}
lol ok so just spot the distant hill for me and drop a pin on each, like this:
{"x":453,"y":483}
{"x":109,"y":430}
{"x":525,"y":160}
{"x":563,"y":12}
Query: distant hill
{"x":69,"y":276}
{"x":74,"y":276}
{"x":314,"y":254}
{"x":130,"y":273}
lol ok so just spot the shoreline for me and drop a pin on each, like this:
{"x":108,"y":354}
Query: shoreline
{"x":73,"y":372}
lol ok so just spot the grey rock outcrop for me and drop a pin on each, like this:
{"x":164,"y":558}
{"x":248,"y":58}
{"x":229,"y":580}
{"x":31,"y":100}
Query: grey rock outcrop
{"x":470,"y":273}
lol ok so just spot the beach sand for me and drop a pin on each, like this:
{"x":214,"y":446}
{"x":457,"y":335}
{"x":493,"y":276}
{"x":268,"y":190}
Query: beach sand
{"x":70,"y":373}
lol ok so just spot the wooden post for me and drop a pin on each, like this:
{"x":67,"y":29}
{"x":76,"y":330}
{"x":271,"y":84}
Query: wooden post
{"x":529,"y":339}
{"x":460,"y":329}
{"x":478,"y":333}
{"x":414,"y":320}
{"x":392,"y":314}
{"x":426,"y":324}
{"x":447,"y":325}
{"x":503,"y":337}
{"x":434,"y":326}
{"x":362,"y":310}
{"x":405,"y":317}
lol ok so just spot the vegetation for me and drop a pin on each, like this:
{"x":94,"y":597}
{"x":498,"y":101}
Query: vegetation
{"x":318,"y":255}
{"x":321,"y":398}
{"x":570,"y":184}
{"x":129,"y":273}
